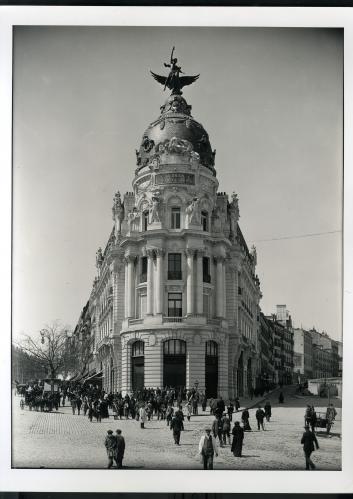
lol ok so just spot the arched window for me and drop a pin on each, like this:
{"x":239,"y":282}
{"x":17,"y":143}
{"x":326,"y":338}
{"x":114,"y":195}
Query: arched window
{"x":211,"y":349}
{"x":175,"y":217}
{"x":138,"y":349}
{"x":174,"y":347}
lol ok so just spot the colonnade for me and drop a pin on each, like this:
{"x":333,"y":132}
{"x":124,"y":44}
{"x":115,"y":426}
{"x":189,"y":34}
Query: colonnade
{"x":155,"y":283}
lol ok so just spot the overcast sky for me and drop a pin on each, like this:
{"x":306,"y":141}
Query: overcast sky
{"x":271,"y":101}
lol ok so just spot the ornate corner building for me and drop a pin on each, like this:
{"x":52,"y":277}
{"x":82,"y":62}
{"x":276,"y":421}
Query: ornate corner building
{"x":176,"y":299}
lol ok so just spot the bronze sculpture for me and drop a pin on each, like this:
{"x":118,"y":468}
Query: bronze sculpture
{"x":173,"y":81}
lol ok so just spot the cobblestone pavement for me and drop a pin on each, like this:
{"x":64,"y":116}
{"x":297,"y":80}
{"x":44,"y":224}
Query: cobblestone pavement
{"x":63,"y":440}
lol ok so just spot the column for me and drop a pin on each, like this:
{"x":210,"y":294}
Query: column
{"x":130,"y":286}
{"x":159,"y":283}
{"x":126,"y":289}
{"x":190,"y":281}
{"x":219,"y":286}
{"x":224,"y":291}
{"x":199,"y":280}
{"x":150,"y":255}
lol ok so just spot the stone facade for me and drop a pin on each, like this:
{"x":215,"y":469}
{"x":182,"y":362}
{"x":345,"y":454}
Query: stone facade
{"x":176,"y":298}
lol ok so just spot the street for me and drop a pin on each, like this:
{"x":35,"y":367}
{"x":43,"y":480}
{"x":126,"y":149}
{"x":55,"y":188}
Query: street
{"x":63,"y":440}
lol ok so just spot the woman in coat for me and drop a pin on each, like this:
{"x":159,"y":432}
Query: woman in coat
{"x":238,"y":437}
{"x":245,"y":420}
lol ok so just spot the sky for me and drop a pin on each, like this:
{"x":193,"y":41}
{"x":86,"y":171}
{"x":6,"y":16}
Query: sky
{"x":272,"y":103}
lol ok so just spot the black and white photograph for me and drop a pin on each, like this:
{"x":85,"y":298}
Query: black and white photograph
{"x":177,"y":248}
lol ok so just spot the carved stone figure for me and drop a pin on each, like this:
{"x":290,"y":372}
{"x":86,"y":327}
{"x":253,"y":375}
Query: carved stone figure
{"x":253,"y":254}
{"x":155,"y":210}
{"x":99,"y":257}
{"x":138,"y":157}
{"x":147,"y":144}
{"x":233,"y":215}
{"x":132,"y":217}
{"x":192,"y":212}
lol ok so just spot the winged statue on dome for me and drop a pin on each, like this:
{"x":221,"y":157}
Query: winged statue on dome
{"x":174,"y":81}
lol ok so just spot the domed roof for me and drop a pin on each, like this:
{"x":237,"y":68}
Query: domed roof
{"x":175,"y":121}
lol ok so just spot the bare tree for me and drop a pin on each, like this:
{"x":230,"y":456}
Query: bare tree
{"x":49,"y":348}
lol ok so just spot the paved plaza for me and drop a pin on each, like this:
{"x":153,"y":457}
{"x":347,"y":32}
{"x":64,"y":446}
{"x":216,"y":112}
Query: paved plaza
{"x":63,"y":440}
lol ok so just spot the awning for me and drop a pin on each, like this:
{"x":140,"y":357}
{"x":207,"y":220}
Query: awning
{"x":98,"y":376}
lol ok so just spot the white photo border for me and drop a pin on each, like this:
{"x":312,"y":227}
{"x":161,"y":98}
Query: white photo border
{"x":176,"y":480}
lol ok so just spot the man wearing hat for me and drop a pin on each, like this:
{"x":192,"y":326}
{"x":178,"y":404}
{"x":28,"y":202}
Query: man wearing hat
{"x":207,"y":449}
{"x":308,"y":440}
{"x":120,"y":449}
{"x":110,"y":445}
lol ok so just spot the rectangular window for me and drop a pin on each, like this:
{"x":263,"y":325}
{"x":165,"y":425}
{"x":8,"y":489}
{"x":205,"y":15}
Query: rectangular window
{"x":206,"y":305}
{"x":174,"y":304}
{"x":175,"y":222}
{"x":143,"y":277}
{"x":143,"y":305}
{"x":174,"y":266}
{"x":206,"y":269}
{"x":145,"y":220}
{"x":204,"y":220}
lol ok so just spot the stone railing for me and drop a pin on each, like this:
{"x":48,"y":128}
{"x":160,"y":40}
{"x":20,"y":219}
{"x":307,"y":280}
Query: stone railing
{"x":132,"y":322}
{"x":173,"y":319}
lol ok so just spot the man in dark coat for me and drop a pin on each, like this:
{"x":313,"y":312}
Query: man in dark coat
{"x":245,"y":419}
{"x":268,"y":410}
{"x":308,"y":440}
{"x":238,"y":437}
{"x":260,"y":414}
{"x":177,"y":426}
{"x":110,"y":445}
{"x":120,"y":449}
{"x":217,"y":429}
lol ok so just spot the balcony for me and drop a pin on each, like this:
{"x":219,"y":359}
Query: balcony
{"x":132,"y":322}
{"x":173,"y":319}
{"x":175,"y":275}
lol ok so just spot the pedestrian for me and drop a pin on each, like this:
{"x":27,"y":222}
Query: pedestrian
{"x":85,"y":406}
{"x":268,"y":410}
{"x":203,"y":402}
{"x":230,"y":410}
{"x":177,"y":426}
{"x":169,"y":413}
{"x":245,"y":419}
{"x":97,"y":412}
{"x":195,"y":406}
{"x":90,"y":412}
{"x":73,"y":404}
{"x":226,"y":429}
{"x":110,"y":445}
{"x":238,"y":437}
{"x":188,"y":408}
{"x":260,"y":414}
{"x":120,"y":449}
{"x":217,"y":429}
{"x":281,"y":397}
{"x":308,"y":440}
{"x":78,"y":405}
{"x":237,"y":404}
{"x":142,"y":414}
{"x":331,"y":414}
{"x":208,"y":449}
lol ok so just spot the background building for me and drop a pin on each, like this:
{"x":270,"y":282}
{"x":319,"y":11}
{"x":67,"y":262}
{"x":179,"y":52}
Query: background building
{"x":303,"y":355}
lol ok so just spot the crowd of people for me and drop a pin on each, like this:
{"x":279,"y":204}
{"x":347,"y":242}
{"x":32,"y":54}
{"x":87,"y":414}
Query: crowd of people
{"x":172,"y":406}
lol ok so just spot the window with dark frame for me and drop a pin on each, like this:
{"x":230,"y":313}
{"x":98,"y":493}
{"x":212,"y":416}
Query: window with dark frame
{"x":204,"y":220}
{"x":174,"y":304}
{"x":174,"y":347}
{"x":175,"y":215}
{"x":143,"y":277}
{"x":174,"y":266}
{"x":145,"y":220}
{"x":206,"y":269}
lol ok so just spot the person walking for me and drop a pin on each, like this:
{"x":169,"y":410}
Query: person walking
{"x":142,"y":414}
{"x":73,"y":404}
{"x":203,"y":402}
{"x":217,"y":428}
{"x":177,"y":426}
{"x":169,"y":413}
{"x":237,"y":404}
{"x":78,"y":405}
{"x":308,"y":440}
{"x":230,"y":410}
{"x":331,"y":414}
{"x":260,"y":414}
{"x":208,"y":449}
{"x":238,"y":437}
{"x":268,"y":411}
{"x":226,"y":429}
{"x":110,"y":445}
{"x":281,"y":397}
{"x":90,"y":411}
{"x":245,"y":419}
{"x":119,"y":449}
{"x":188,"y":408}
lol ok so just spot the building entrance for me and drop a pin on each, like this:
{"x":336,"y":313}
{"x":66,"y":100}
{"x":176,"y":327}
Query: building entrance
{"x":174,"y":363}
{"x":137,"y":366}
{"x":211,"y":369}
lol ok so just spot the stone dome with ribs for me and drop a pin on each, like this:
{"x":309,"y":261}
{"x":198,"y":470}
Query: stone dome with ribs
{"x":175,"y":121}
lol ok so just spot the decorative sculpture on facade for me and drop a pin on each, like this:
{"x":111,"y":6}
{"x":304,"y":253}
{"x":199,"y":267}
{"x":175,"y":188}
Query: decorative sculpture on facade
{"x":132,"y":221}
{"x":233,"y":215}
{"x":173,"y":81}
{"x":118,"y":212}
{"x":99,"y":258}
{"x":193,"y":213}
{"x":155,"y":209}
{"x":253,"y":254}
